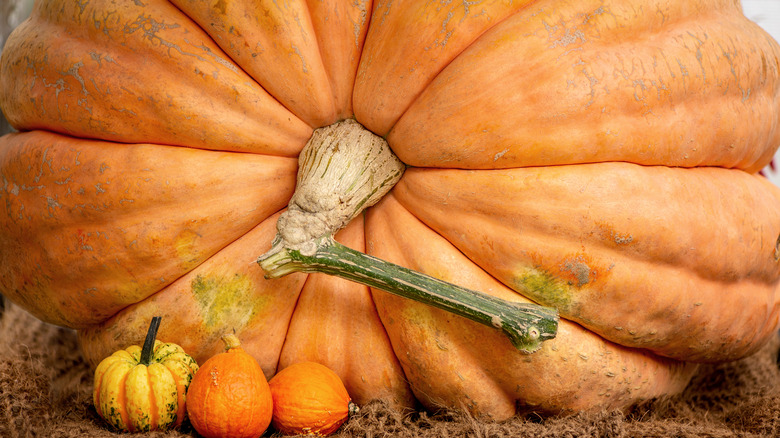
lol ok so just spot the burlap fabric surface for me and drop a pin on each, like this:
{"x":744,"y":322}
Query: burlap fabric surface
{"x":45,"y":391}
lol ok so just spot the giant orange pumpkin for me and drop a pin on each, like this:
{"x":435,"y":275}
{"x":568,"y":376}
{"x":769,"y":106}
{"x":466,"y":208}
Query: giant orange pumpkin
{"x":598,"y":158}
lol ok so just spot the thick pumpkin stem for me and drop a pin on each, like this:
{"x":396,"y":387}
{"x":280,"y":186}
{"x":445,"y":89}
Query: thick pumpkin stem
{"x":147,"y":351}
{"x":342,"y":170}
{"x":526,"y":325}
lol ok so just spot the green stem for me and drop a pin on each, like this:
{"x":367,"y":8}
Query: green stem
{"x":526,"y":325}
{"x":147,"y":350}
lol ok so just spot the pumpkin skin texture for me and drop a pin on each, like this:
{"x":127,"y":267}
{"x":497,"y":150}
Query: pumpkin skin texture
{"x":569,"y":273}
{"x":216,"y":296}
{"x":156,"y":37}
{"x":664,"y":71}
{"x":230,"y":398}
{"x":598,"y":157}
{"x":134,"y":396}
{"x":452,"y":362}
{"x":136,"y":186}
{"x":309,"y":398}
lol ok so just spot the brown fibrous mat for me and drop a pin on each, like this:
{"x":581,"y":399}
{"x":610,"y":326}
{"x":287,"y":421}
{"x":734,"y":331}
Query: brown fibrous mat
{"x":46,"y":390}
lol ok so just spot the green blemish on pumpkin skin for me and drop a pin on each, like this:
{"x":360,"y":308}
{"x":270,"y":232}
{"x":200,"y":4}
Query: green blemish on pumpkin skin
{"x":226,"y":300}
{"x":544,"y":288}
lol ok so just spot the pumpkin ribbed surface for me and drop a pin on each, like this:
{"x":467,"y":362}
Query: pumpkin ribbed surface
{"x":596,"y":157}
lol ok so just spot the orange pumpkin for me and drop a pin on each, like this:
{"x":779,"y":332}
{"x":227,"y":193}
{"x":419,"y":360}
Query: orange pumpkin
{"x":595,"y":157}
{"x":309,"y":398}
{"x":230,"y":398}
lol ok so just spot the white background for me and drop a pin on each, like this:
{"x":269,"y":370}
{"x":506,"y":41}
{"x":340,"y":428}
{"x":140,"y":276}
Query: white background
{"x":767,"y":14}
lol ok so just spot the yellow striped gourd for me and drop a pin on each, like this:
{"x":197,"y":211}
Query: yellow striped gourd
{"x":142,"y":389}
